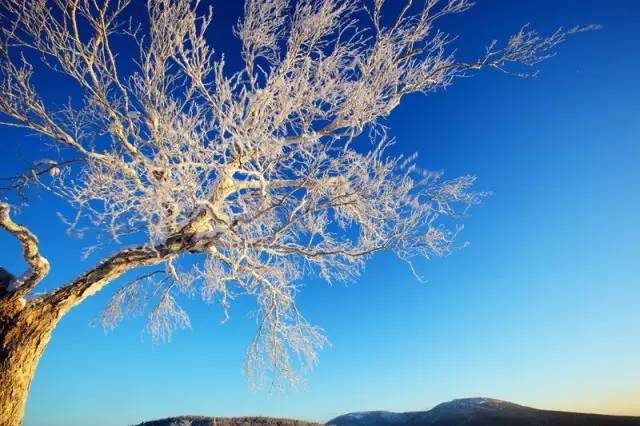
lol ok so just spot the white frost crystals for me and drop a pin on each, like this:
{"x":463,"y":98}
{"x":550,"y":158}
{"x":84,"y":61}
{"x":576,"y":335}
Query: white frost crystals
{"x":259,"y":177}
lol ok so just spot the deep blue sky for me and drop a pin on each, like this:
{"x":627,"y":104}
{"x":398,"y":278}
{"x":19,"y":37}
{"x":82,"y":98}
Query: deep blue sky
{"x":541,"y":308}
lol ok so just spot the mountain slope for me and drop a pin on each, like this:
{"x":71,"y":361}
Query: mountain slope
{"x":481,"y":412}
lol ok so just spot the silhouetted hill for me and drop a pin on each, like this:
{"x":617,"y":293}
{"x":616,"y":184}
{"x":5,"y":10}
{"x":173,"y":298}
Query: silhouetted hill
{"x":226,"y":421}
{"x":481,"y":412}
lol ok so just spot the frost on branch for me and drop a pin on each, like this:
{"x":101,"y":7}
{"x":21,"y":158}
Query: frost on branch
{"x":266,"y":175}
{"x":165,"y":317}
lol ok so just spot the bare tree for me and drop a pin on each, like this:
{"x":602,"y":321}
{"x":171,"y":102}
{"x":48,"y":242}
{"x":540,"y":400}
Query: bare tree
{"x":263,"y":176}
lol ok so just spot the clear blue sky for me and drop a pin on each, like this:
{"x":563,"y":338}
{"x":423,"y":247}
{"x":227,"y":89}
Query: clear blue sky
{"x":541,"y":309}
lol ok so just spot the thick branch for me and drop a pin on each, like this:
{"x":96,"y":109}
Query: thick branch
{"x":115,"y":266}
{"x":38,"y":266}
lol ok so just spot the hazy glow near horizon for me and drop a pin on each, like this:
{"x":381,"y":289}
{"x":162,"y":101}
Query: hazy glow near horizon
{"x":541,"y":309}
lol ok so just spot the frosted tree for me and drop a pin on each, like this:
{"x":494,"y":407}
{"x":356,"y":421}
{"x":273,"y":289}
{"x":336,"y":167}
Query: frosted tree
{"x":260,"y":176}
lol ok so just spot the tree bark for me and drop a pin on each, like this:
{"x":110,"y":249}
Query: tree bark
{"x":24,"y":334}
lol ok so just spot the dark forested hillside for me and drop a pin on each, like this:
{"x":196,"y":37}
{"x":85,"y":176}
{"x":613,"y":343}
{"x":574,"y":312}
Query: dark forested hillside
{"x":226,"y":421}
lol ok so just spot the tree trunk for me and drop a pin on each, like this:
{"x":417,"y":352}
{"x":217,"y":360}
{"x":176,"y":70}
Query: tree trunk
{"x":25,"y":328}
{"x":24,"y":333}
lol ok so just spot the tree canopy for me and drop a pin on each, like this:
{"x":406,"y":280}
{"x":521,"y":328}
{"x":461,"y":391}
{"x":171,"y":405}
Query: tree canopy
{"x":262,"y":176}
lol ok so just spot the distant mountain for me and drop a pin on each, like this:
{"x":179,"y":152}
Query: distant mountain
{"x":226,"y":421}
{"x":481,"y":412}
{"x":459,"y":412}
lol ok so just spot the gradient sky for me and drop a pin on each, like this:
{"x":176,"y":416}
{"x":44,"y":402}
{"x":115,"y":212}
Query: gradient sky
{"x":541,"y":309}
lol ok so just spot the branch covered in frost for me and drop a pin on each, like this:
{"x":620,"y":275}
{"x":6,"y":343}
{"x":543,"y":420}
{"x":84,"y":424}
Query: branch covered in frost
{"x":165,"y":317}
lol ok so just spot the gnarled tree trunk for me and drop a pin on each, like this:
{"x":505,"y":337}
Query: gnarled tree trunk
{"x":25,"y":327}
{"x":24,"y":334}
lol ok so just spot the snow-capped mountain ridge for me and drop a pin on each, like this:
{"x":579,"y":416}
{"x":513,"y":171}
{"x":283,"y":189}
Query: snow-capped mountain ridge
{"x":476,"y":403}
{"x":480,"y":411}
